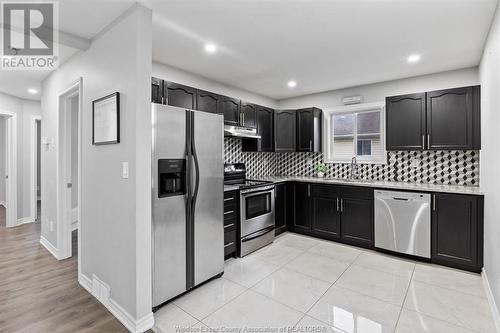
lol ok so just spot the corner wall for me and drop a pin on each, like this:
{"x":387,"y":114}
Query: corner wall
{"x":115,"y":226}
{"x":489,"y":73}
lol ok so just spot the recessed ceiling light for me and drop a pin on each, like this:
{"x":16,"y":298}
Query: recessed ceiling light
{"x":414,"y":58}
{"x":32,"y":91}
{"x":291,"y":84}
{"x":210,"y":48}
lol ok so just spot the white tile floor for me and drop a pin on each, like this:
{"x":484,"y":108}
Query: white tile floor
{"x":319,"y":286}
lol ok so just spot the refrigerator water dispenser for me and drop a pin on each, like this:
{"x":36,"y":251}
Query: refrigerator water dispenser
{"x":171,"y":177}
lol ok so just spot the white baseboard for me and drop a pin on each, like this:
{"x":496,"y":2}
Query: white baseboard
{"x":49,"y":247}
{"x":135,"y":326}
{"x":491,"y":300}
{"x":25,"y":220}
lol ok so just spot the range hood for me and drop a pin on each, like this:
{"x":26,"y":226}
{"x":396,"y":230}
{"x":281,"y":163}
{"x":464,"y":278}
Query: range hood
{"x":240,"y":132}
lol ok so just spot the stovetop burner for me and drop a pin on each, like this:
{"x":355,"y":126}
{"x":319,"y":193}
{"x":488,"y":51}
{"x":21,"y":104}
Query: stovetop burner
{"x":235,"y":174}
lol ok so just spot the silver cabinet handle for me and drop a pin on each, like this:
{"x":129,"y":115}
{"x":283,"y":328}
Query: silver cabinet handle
{"x":423,"y":141}
{"x":434,"y":202}
{"x":229,"y":212}
{"x":310,"y":145}
{"x":229,"y":244}
{"x":308,"y":190}
{"x":341,"y":205}
{"x":228,"y":199}
{"x":229,"y":225}
{"x":428,"y":141}
{"x":337,"y":204}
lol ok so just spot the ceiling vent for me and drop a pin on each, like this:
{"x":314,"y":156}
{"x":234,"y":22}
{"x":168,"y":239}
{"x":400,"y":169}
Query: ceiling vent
{"x":352,"y":100}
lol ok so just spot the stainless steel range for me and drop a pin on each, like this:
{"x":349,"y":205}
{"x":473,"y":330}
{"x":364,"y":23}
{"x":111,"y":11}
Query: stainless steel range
{"x":256,"y":208}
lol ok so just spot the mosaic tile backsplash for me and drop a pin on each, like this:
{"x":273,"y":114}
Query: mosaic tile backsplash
{"x":435,"y":167}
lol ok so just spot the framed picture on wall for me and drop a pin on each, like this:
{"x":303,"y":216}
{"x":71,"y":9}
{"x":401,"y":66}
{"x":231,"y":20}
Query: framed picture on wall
{"x":106,"y":120}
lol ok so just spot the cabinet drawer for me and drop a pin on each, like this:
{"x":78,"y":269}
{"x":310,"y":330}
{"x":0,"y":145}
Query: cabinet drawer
{"x":229,"y":224}
{"x":229,"y":215}
{"x":357,"y":192}
{"x":324,"y":191}
{"x":229,"y":242}
{"x":229,"y":195}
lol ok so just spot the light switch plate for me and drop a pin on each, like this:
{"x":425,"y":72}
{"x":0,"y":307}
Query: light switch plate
{"x":125,"y":170}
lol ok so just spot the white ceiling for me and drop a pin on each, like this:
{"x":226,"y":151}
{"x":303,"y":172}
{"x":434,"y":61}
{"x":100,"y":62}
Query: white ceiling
{"x":321,"y":44}
{"x":81,"y":18}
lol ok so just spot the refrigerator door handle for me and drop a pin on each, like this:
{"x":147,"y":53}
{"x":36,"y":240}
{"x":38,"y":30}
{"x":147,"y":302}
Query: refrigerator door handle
{"x":196,"y":166}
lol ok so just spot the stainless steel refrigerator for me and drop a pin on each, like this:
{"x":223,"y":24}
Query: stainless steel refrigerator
{"x":188,"y":223}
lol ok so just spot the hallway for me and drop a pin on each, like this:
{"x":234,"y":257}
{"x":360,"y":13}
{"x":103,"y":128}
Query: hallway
{"x":40,"y":294}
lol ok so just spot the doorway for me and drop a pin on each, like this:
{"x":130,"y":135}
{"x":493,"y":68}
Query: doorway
{"x":36,"y":150}
{"x":8,"y":169}
{"x":69,"y":170}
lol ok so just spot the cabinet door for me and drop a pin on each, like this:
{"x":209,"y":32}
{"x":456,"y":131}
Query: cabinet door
{"x":284,"y":130}
{"x":450,"y":119}
{"x":304,"y":130}
{"x":280,"y":208}
{"x":326,"y":210}
{"x":405,"y":122}
{"x":207,"y":101}
{"x":181,"y":96}
{"x":309,"y":130}
{"x":231,"y":110}
{"x":457,"y":231}
{"x":157,"y":91}
{"x":357,"y":221}
{"x":301,"y":200}
{"x":265,"y":128}
{"x":248,"y":115}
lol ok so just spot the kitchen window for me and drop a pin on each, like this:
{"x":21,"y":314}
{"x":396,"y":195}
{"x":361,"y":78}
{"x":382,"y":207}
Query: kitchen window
{"x":355,"y":131}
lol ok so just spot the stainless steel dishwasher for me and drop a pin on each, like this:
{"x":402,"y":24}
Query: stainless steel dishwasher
{"x":403,"y":222}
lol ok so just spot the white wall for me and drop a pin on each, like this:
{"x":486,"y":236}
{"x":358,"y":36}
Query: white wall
{"x":177,"y":75}
{"x":24,"y":109}
{"x":3,"y":157}
{"x":378,"y":91}
{"x":115,"y":226}
{"x":489,"y":73}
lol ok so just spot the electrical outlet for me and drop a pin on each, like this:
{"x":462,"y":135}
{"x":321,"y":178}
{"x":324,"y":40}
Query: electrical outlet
{"x":125,"y":170}
{"x":415,"y":163}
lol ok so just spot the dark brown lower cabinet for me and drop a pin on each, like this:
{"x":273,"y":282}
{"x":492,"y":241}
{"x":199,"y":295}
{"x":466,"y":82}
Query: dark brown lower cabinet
{"x":280,"y":209}
{"x":302,"y":207}
{"x":457,"y":231}
{"x":231,"y":218}
{"x":357,"y":221}
{"x":325,"y":204}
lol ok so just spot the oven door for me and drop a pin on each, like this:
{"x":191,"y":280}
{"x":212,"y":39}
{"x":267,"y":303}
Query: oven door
{"x":257,"y":210}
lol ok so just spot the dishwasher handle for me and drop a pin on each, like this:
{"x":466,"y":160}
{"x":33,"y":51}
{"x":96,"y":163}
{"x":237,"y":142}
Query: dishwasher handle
{"x":401,"y":199}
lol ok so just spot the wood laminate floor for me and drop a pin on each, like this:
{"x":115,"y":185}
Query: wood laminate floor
{"x":41,"y":294}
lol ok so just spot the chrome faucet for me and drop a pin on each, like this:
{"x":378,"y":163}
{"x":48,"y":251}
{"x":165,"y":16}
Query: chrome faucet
{"x":354,"y":168}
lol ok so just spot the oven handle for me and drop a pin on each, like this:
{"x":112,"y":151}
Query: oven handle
{"x":250,"y":194}
{"x":259,"y":234}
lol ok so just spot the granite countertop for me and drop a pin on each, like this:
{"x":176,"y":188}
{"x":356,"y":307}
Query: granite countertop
{"x":457,"y":189}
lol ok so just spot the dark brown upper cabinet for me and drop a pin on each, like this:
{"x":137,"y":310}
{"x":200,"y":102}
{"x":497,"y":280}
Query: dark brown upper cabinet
{"x":453,"y":119}
{"x":285,"y":130}
{"x":405,"y":122}
{"x":265,"y":128}
{"x":180,"y":95}
{"x":437,"y":120}
{"x":157,"y":95}
{"x":207,"y":101}
{"x":248,"y":115}
{"x":309,"y":130}
{"x":231,"y":109}
{"x":457,"y":231}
